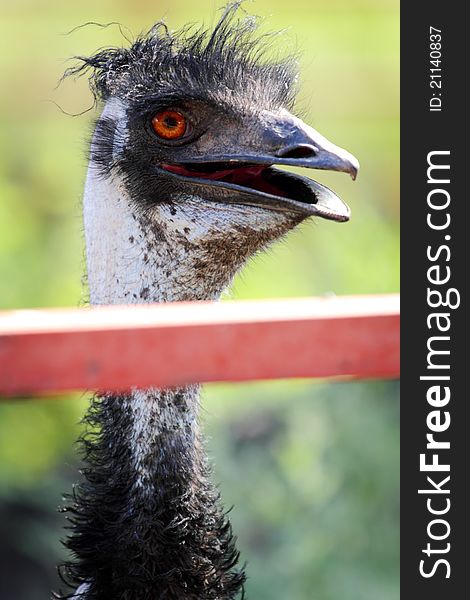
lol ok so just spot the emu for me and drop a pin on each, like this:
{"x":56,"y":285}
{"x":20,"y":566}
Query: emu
{"x":181,"y":191}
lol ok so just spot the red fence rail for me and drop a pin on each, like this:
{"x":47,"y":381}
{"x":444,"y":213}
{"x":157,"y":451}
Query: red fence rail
{"x":116,"y":348}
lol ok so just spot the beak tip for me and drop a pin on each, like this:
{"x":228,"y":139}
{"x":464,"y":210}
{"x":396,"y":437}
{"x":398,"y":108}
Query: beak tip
{"x":354,"y":167}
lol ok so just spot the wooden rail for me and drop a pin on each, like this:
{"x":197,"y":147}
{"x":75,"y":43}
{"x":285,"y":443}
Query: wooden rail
{"x":116,"y":348}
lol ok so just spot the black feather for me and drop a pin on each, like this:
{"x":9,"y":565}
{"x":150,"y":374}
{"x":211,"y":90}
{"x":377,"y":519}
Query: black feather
{"x":174,"y":543}
{"x":228,"y":65}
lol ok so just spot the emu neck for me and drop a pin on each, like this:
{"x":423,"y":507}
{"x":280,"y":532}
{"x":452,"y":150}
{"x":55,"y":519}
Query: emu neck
{"x":134,"y":259}
{"x":173,"y":252}
{"x":147,"y":520}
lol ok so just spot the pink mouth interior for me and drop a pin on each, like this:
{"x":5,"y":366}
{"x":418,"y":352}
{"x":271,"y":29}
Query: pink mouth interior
{"x":254,"y":177}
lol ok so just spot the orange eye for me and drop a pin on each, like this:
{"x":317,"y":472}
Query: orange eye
{"x":169,"y":124}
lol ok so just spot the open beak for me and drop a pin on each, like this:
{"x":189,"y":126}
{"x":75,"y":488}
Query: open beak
{"x":283,"y":140}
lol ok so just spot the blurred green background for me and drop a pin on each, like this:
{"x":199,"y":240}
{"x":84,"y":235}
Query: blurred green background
{"x":311,"y":467}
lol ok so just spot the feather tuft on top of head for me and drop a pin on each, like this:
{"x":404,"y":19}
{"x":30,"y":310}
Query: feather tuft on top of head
{"x":227,"y":65}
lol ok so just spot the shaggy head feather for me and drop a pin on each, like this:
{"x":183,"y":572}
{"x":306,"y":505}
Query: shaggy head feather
{"x":227,"y":65}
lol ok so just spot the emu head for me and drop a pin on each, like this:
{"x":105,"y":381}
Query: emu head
{"x":182,"y":182}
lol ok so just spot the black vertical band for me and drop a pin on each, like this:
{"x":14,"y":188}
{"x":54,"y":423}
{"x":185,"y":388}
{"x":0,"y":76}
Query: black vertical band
{"x":435,"y":271}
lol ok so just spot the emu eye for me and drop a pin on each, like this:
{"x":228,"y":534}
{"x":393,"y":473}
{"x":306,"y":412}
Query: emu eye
{"x":169,"y":124}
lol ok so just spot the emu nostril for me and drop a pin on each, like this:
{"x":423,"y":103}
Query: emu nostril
{"x":297,"y":151}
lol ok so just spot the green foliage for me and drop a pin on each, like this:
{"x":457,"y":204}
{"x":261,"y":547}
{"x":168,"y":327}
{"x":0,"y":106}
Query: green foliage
{"x":312,"y":472}
{"x":312,"y":469}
